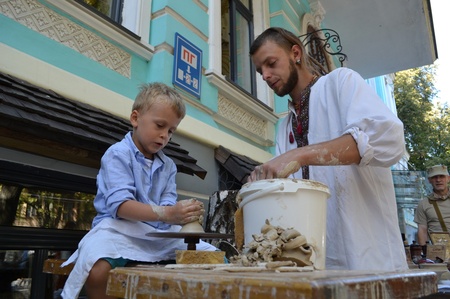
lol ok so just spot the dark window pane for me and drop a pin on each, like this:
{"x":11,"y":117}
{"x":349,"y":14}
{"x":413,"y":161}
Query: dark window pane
{"x":41,"y":207}
{"x":15,"y":273}
{"x":243,"y":68}
{"x":110,"y":8}
{"x":103,"y":6}
{"x":237,"y":35}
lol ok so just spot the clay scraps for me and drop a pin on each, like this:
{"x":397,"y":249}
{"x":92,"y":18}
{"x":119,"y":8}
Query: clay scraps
{"x":276,"y":244}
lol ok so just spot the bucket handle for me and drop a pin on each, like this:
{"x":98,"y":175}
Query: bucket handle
{"x":262,"y":192}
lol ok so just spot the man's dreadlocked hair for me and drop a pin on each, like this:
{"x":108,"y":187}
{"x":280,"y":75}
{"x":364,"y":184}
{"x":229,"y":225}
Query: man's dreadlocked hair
{"x":286,"y":40}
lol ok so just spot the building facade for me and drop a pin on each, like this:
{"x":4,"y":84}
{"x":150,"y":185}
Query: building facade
{"x":70,"y":70}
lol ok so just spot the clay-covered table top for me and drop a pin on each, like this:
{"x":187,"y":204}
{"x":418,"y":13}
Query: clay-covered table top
{"x":144,"y":282}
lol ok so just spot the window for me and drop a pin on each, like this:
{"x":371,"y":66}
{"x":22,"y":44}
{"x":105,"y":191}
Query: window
{"x":43,"y":214}
{"x":125,"y":13}
{"x":237,"y":35}
{"x":31,"y":215}
{"x":36,"y":197}
{"x":133,"y":31}
{"x":41,"y":207}
{"x":110,"y":8}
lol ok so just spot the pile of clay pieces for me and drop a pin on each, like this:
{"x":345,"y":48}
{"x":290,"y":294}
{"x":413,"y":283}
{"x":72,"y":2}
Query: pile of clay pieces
{"x":276,"y":244}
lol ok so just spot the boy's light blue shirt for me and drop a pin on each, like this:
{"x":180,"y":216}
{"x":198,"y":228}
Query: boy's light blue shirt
{"x":124,"y":175}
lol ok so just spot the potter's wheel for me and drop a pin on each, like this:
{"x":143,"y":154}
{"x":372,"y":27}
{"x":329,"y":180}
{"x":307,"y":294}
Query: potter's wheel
{"x":191,"y":238}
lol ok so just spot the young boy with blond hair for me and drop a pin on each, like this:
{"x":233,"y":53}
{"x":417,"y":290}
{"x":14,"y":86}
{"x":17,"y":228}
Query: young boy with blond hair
{"x":136,"y":195}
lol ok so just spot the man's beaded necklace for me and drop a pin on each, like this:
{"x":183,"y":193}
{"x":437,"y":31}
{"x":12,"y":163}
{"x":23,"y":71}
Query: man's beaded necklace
{"x":300,"y":124}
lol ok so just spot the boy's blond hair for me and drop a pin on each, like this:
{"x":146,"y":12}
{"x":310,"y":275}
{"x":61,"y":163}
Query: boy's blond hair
{"x":151,"y":93}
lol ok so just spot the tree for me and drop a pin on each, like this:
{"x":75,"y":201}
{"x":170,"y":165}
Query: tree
{"x":426,"y":125}
{"x":440,"y":140}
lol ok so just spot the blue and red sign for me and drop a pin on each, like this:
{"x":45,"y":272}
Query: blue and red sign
{"x":187,"y":66}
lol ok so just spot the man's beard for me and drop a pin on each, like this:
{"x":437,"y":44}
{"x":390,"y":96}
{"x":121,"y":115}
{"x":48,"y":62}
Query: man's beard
{"x":291,"y":82}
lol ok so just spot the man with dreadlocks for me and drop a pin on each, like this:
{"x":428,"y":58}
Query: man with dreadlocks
{"x":340,"y":133}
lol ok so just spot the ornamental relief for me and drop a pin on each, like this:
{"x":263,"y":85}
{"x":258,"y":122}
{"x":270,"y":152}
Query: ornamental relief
{"x":242,"y":118}
{"x":45,"y":21}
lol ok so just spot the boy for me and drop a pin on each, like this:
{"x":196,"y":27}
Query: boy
{"x":136,"y":195}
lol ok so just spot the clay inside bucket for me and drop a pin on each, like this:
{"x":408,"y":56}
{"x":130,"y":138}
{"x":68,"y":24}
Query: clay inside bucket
{"x":288,"y":203}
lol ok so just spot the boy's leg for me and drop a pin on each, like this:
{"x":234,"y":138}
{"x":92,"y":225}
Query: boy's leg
{"x":97,"y":280}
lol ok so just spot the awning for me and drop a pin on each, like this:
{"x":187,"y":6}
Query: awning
{"x":382,"y":36}
{"x":239,"y":166}
{"x":39,"y":121}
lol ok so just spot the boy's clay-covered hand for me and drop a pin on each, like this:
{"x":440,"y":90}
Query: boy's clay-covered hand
{"x":185,"y":211}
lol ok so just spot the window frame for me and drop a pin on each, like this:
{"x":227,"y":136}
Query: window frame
{"x":135,"y":39}
{"x":237,"y":7}
{"x":116,"y":11}
{"x":41,"y":240}
{"x":261,"y":104}
{"x":214,"y":73}
{"x":116,"y":14}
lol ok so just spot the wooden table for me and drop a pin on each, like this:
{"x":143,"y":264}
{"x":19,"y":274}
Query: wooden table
{"x":144,"y":282}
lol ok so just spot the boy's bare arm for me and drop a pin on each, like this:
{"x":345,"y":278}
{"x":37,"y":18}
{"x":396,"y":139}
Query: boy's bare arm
{"x":183,"y":212}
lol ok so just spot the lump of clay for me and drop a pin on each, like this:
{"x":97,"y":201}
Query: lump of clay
{"x":192,"y":227}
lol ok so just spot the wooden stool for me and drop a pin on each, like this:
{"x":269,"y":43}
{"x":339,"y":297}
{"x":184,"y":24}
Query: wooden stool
{"x":53,"y":266}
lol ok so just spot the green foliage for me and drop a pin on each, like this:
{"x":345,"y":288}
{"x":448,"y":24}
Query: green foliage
{"x":440,"y":151}
{"x":426,"y":125}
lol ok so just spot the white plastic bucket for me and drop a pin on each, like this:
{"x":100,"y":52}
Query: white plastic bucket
{"x":288,"y":203}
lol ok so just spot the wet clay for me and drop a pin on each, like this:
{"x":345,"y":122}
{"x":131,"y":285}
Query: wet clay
{"x":290,"y":168}
{"x":192,"y":227}
{"x":160,"y":211}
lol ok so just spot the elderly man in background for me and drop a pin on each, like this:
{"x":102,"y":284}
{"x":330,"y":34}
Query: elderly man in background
{"x":433,"y":212}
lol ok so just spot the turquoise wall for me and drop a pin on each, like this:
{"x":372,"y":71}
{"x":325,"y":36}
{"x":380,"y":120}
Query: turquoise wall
{"x":186,"y":17}
{"x":25,"y":40}
{"x":163,"y":30}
